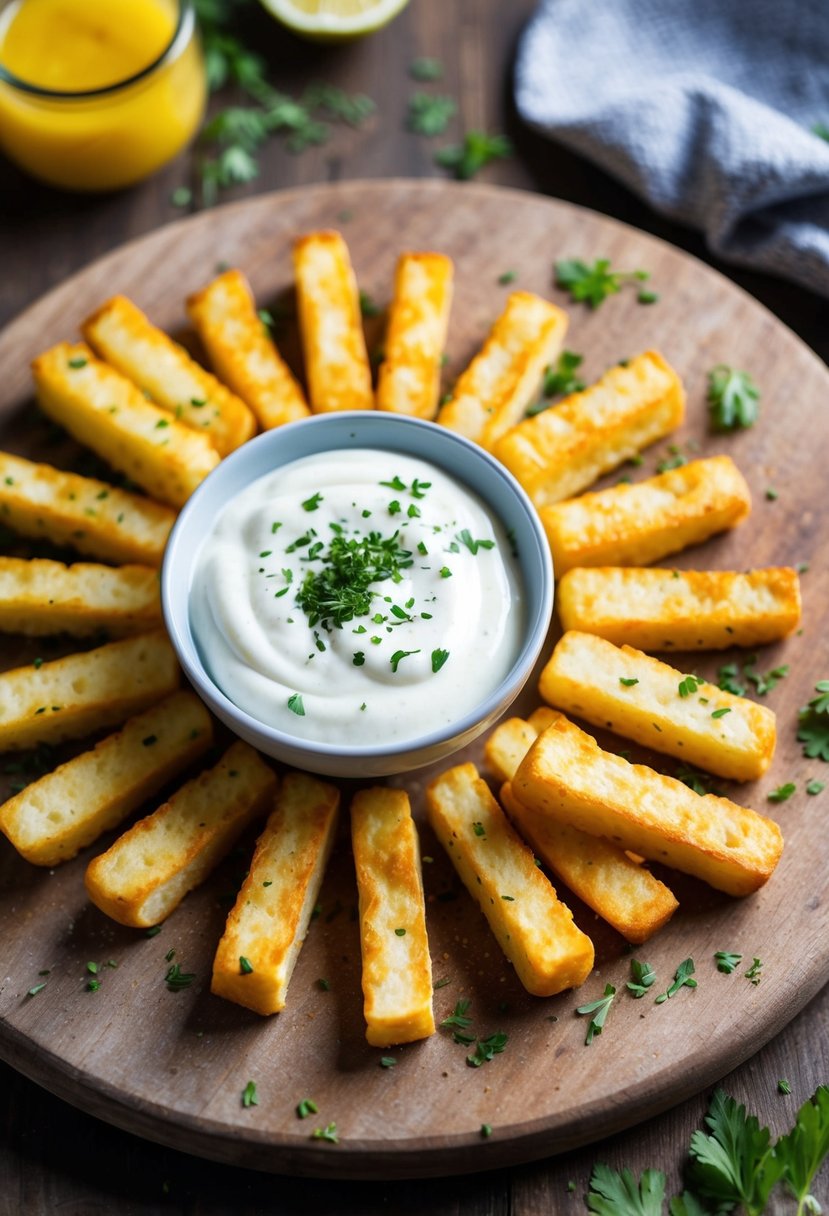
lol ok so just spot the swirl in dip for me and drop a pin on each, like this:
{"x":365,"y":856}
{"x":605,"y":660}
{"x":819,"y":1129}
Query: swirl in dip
{"x":357,"y":596}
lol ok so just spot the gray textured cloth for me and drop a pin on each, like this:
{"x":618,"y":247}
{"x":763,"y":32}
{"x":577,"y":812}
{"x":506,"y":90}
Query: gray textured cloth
{"x":703,"y":107}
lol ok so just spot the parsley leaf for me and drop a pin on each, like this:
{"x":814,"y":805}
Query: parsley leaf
{"x":682,"y":979}
{"x":459,"y":1018}
{"x":734,"y":1164}
{"x":430,"y":115}
{"x":783,"y":792}
{"x":487,"y":1048}
{"x":439,"y":657}
{"x":813,"y":730}
{"x":398,"y":657}
{"x":592,"y":284}
{"x":296,"y":704}
{"x":689,"y":685}
{"x":465,"y":537}
{"x":643,"y":977}
{"x":617,"y":1193}
{"x":727,"y":962}
{"x":732,"y":398}
{"x":176,"y":979}
{"x":802,"y":1152}
{"x":474,"y":154}
{"x":700,"y":783}
{"x":327,"y":1133}
{"x":599,"y":1009}
{"x":249,"y":1096}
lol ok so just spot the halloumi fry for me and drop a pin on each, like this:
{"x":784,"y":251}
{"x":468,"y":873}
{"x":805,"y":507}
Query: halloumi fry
{"x":55,"y":817}
{"x":563,"y":450}
{"x":147,"y":872}
{"x":493,"y":393}
{"x":71,"y":697}
{"x":534,"y":929}
{"x":680,"y":609}
{"x":633,"y":525}
{"x":397,"y":969}
{"x":619,"y":890}
{"x":105,"y":411}
{"x":641,"y":698}
{"x":269,"y":921}
{"x":331,"y":327}
{"x":40,"y":597}
{"x":125,"y":338}
{"x":93,"y":517}
{"x":566,"y":776}
{"x":409,"y":377}
{"x":241,"y":350}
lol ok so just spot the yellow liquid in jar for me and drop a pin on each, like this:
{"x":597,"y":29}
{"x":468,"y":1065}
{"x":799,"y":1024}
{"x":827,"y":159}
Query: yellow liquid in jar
{"x":72,"y":46}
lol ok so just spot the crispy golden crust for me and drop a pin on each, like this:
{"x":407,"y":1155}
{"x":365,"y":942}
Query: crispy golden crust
{"x":268,"y":923}
{"x":336,"y":361}
{"x":601,"y":874}
{"x":74,"y":696}
{"x":567,"y":777}
{"x":680,"y":609}
{"x":397,"y":969}
{"x":105,"y":411}
{"x":636,"y":524}
{"x":121,"y":334}
{"x":53,"y":818}
{"x":492,"y":395}
{"x":409,"y":376}
{"x":584,"y":676}
{"x":89,"y":515}
{"x":40,"y":597}
{"x":145,"y":875}
{"x":565,"y":449}
{"x":534,"y":929}
{"x":241,"y":350}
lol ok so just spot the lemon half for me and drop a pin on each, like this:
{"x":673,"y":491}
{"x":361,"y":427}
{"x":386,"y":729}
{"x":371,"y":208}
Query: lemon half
{"x":334,"y":20}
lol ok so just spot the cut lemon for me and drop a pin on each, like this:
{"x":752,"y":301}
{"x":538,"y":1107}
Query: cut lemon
{"x":334,"y":20}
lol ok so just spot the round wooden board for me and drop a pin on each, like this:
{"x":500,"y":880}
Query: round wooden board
{"x":172,"y":1066}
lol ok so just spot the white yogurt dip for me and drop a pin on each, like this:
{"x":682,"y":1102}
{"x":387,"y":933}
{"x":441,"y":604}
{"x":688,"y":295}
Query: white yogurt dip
{"x":357,"y":597}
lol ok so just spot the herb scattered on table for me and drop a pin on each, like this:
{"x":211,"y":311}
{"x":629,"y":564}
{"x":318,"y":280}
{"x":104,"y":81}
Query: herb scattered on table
{"x":682,"y":979}
{"x":460,"y":1016}
{"x":425,"y":68}
{"x":327,"y":1133}
{"x":733,"y":398}
{"x":783,"y":1087}
{"x":753,"y":973}
{"x":727,"y":962}
{"x":813,"y":726}
{"x":617,"y":1193}
{"x":598,"y":1011}
{"x":176,"y":979}
{"x":815,"y":787}
{"x":306,"y":1107}
{"x":486,"y":1048}
{"x":249,"y":1095}
{"x":559,"y":379}
{"x":783,"y":792}
{"x":593,"y":283}
{"x":643,"y":977}
{"x":475,"y":153}
{"x":429,"y":114}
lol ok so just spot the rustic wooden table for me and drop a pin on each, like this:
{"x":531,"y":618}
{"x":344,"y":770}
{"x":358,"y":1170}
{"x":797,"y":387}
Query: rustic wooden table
{"x":52,"y":1158}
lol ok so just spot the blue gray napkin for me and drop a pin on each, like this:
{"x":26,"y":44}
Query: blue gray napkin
{"x":703,"y":107}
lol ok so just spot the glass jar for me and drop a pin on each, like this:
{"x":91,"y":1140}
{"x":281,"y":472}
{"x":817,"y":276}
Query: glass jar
{"x":118,"y":102}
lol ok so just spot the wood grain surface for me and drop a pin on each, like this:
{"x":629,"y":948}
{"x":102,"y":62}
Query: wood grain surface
{"x":172,"y":1066}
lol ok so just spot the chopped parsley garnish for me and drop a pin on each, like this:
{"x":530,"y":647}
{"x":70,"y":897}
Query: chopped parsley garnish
{"x":475,"y":153}
{"x":689,"y":685}
{"x":312,"y":503}
{"x":358,"y":658}
{"x":176,"y":979}
{"x":36,"y":989}
{"x":486,"y":1048}
{"x":486,"y":1130}
{"x":506,"y":277}
{"x":598,"y":1011}
{"x":593,"y":283}
{"x":398,"y":657}
{"x":753,"y":973}
{"x":439,"y":657}
{"x":77,"y":362}
{"x":643,"y":977}
{"x":727,"y":962}
{"x":249,"y":1095}
{"x":306,"y":1107}
{"x":465,"y":538}
{"x":430,"y":114}
{"x":733,"y":398}
{"x":479,"y":829}
{"x":627,"y":683}
{"x":815,"y":787}
{"x":325,"y":985}
{"x":720,"y":713}
{"x":245,"y":965}
{"x":561,"y":379}
{"x":783,"y":1087}
{"x":445,"y":572}
{"x":400,"y":933}
{"x":783,"y":792}
{"x":295,"y":704}
{"x":339,"y":592}
{"x":387,"y":1062}
{"x":153,"y":931}
{"x":682,"y":979}
{"x":459,"y":1018}
{"x":328,"y":1133}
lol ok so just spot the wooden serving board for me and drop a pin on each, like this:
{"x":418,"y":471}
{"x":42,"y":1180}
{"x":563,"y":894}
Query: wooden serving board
{"x":172,"y":1065}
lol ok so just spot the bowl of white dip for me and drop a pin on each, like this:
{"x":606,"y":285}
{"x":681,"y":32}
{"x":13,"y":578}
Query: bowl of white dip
{"x":358,"y":594}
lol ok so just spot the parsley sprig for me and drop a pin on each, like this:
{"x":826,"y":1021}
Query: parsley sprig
{"x":430,"y":114}
{"x":559,"y":380}
{"x":475,"y":153}
{"x":813,"y":728}
{"x":617,"y":1193}
{"x":592,"y":284}
{"x":598,"y":1010}
{"x":733,"y":398}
